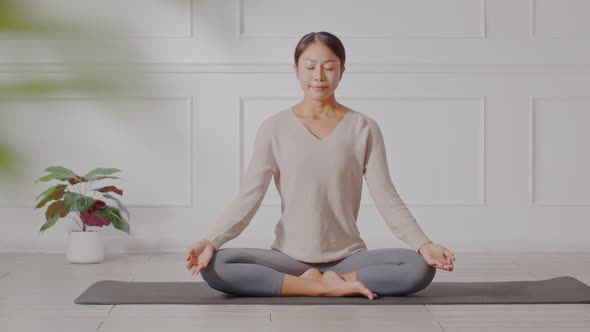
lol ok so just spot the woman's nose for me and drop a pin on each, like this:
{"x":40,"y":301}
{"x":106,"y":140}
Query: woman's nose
{"x":318,"y":74}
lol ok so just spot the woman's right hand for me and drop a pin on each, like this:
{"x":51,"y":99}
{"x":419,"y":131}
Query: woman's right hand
{"x":199,"y":255}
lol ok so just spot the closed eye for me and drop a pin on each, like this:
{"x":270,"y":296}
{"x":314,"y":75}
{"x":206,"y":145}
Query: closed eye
{"x":328,"y":69}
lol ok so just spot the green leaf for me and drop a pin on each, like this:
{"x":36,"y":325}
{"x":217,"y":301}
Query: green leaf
{"x":58,"y":172}
{"x":119,"y":204}
{"x":115,"y":217}
{"x":61,"y":170}
{"x":77,"y":202}
{"x":46,"y":178}
{"x":99,"y":171}
{"x":57,"y":194}
{"x":50,"y":190}
{"x":50,"y":222}
{"x":104,"y":177}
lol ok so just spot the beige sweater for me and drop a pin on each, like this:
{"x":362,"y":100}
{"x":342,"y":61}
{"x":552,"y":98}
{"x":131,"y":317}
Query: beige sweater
{"x":320,"y":184}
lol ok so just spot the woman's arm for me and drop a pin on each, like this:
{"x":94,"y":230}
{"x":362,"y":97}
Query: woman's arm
{"x":376,"y":172}
{"x":241,"y":209}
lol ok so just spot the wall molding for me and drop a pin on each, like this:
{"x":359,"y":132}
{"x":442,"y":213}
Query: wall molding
{"x":188,"y":100}
{"x":532,"y":146}
{"x":533,"y":28}
{"x":481,"y":34}
{"x":376,"y":67}
{"x":188,"y":34}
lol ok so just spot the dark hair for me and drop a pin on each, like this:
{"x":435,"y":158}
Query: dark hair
{"x":326,"y":38}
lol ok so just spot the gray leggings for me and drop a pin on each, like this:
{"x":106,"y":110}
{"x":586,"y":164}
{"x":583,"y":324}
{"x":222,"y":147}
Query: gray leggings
{"x":260,"y":272}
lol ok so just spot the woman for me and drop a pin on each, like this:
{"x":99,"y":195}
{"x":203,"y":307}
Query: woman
{"x":318,"y":152}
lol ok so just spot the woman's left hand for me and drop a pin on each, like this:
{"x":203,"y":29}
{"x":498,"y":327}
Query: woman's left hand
{"x":437,"y":256}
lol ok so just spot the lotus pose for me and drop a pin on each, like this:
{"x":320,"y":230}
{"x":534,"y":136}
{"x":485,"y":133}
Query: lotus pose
{"x":318,"y":151}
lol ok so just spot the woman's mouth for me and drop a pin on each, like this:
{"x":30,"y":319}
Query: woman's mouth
{"x":318,"y":88}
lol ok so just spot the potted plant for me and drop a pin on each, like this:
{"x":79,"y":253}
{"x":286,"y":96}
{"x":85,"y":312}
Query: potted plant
{"x":84,"y":246}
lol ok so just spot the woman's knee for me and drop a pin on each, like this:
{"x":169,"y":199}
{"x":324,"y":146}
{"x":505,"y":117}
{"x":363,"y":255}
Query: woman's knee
{"x":408,"y":274}
{"x":232,"y":271}
{"x":211,"y":274}
{"x":422,"y":274}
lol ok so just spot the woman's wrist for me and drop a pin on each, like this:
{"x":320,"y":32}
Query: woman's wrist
{"x":212,"y":244}
{"x":424,"y":245}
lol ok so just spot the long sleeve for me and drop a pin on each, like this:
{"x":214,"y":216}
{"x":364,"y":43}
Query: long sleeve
{"x":241,"y":209}
{"x":376,"y":172}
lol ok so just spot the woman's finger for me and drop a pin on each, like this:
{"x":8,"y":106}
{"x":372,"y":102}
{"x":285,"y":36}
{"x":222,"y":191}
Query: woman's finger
{"x":448,"y":265}
{"x":190,"y":263}
{"x":451,"y":254}
{"x":189,"y":254}
{"x":437,"y":263}
{"x":443,"y":262}
{"x":447,"y":257}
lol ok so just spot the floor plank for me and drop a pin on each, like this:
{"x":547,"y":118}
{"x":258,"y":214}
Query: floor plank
{"x":35,"y":289}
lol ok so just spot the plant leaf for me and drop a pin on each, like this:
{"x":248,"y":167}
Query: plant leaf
{"x":99,"y":171}
{"x":56,"y":194}
{"x":56,"y":208}
{"x":77,"y":202}
{"x":97,"y":205}
{"x":51,"y":189}
{"x":73,"y":181}
{"x":120,"y":205}
{"x":104,"y":177}
{"x":94,"y":219}
{"x":46,"y":178}
{"x":58,"y":172}
{"x":50,"y":223}
{"x":114,"y":216}
{"x":109,"y":189}
{"x":61,"y":171}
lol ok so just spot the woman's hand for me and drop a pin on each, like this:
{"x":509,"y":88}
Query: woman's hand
{"x":437,"y":256}
{"x":199,"y":255}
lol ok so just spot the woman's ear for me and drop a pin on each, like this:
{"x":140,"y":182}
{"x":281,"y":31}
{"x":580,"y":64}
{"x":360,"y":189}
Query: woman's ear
{"x":341,"y":73}
{"x":296,"y":71}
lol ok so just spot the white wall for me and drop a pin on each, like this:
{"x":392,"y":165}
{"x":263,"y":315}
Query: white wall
{"x":484,"y":106}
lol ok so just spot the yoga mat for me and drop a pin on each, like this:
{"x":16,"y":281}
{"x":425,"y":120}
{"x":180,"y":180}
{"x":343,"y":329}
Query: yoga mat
{"x":555,"y":290}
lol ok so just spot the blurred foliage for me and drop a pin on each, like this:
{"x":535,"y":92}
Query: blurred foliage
{"x":72,"y":44}
{"x":9,"y":162}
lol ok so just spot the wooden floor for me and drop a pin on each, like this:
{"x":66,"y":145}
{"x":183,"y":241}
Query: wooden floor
{"x":37,"y":294}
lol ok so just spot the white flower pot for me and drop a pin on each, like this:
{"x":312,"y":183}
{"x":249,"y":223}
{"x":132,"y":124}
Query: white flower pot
{"x":85,"y":247}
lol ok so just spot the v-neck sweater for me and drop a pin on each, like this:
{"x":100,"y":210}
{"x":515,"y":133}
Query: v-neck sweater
{"x":320,"y":184}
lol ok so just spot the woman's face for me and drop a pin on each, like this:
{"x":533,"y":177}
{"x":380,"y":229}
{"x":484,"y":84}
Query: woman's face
{"x":318,"y":71}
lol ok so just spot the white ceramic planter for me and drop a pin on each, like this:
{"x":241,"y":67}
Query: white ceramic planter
{"x":85,"y":247}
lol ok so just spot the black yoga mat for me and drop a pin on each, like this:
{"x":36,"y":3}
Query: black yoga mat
{"x":555,"y":290}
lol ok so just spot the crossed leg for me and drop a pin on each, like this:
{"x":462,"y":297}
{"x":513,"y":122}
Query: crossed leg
{"x":262,"y":272}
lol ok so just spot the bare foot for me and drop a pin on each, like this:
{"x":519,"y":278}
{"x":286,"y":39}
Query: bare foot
{"x":350,"y":276}
{"x":312,"y":273}
{"x":335,"y":285}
